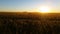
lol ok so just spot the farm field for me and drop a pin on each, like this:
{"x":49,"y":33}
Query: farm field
{"x":29,"y":23}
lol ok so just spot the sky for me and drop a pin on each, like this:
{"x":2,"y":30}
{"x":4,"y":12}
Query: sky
{"x":24,"y":5}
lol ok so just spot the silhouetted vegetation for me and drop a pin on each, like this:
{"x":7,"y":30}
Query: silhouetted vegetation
{"x":29,"y":23}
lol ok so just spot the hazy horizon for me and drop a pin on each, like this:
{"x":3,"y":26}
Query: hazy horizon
{"x":28,"y":5}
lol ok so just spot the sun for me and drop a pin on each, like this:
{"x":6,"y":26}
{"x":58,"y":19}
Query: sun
{"x":44,"y":9}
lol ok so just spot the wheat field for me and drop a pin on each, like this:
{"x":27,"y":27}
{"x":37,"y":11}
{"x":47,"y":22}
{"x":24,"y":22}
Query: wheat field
{"x":29,"y":23}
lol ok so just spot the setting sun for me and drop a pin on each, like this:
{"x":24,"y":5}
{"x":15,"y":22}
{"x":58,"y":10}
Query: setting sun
{"x":44,"y":9}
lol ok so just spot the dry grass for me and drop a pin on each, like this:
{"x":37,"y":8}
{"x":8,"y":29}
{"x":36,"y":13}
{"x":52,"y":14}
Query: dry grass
{"x":29,"y":23}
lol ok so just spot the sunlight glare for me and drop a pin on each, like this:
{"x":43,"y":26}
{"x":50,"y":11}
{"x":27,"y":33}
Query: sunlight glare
{"x":44,"y":9}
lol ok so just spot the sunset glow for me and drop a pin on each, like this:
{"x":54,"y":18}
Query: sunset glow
{"x":44,"y":9}
{"x":43,"y":6}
